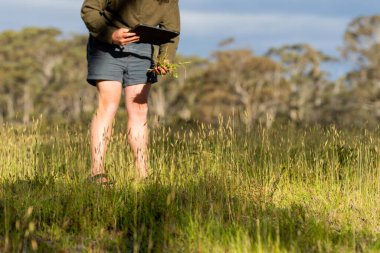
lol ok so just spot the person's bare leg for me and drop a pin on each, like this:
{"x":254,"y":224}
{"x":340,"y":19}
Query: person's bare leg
{"x":109,"y":93}
{"x":136,"y":101}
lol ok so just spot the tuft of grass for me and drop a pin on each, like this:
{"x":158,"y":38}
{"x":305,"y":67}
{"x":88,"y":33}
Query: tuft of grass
{"x":221,"y":189}
{"x":171,"y":67}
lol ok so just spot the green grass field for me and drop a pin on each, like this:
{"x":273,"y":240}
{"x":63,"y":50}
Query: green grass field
{"x":212,"y":190}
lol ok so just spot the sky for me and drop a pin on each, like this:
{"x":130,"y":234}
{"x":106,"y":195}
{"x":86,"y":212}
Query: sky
{"x":255,"y":24}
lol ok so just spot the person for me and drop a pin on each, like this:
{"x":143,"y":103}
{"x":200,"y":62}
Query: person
{"x":117,"y":61}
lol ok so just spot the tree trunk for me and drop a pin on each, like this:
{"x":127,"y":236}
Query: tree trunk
{"x":10,"y":113}
{"x":159,"y":103}
{"x":77,"y":108}
{"x":1,"y":118}
{"x":28,"y":104}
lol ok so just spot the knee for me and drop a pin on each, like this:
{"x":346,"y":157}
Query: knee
{"x":138,"y":112}
{"x":107,"y":108}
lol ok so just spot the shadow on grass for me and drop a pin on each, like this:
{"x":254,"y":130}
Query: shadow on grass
{"x":155,"y":217}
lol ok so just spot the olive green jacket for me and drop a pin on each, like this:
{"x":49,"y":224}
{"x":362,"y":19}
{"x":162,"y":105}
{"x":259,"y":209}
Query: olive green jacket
{"x":103,"y":17}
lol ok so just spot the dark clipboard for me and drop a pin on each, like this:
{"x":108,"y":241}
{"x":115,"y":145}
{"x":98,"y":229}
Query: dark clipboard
{"x":153,"y":35}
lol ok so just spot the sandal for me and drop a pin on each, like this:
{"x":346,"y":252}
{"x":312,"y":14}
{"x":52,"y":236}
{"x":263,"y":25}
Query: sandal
{"x":101,"y":179}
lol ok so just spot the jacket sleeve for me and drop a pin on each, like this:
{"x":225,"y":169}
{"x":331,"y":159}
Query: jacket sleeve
{"x":97,"y":24}
{"x":171,"y":21}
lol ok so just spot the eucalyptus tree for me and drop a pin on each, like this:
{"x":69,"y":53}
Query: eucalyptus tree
{"x":301,"y":69}
{"x":362,"y":41}
{"x":362,"y":47}
{"x":27,"y":58}
{"x":173,"y":99}
{"x":236,"y":83}
{"x":68,"y":95}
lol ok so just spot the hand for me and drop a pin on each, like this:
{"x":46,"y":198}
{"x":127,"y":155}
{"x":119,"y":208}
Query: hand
{"x":123,"y":37}
{"x":160,"y":70}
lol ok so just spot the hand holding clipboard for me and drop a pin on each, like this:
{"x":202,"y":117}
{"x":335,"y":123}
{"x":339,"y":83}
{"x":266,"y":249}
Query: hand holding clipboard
{"x":153,"y":35}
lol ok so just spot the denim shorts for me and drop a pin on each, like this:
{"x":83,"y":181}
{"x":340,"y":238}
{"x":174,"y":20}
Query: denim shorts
{"x":128,"y":65}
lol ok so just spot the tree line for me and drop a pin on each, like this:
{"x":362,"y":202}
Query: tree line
{"x":42,"y":73}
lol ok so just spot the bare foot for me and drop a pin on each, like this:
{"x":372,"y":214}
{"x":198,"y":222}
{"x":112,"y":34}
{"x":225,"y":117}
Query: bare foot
{"x":101,"y":178}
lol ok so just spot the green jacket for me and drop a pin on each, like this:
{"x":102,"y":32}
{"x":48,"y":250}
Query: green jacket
{"x":103,"y":17}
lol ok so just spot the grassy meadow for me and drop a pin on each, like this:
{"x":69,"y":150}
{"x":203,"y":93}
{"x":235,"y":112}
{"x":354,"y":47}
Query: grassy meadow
{"x":222,"y":189}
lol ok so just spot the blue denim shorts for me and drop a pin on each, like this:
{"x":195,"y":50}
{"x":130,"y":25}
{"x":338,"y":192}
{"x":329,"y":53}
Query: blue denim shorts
{"x":128,"y":65}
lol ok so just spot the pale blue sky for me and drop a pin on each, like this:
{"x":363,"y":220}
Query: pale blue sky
{"x":255,"y":24}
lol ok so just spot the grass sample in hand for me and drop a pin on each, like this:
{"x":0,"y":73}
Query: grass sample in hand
{"x":172,"y":68}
